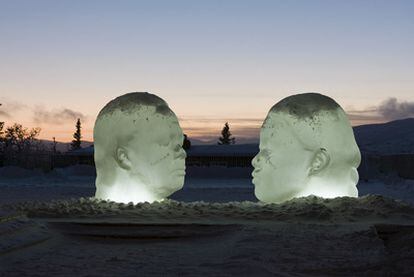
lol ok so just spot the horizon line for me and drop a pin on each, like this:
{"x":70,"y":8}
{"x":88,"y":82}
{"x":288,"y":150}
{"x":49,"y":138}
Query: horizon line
{"x":244,"y":133}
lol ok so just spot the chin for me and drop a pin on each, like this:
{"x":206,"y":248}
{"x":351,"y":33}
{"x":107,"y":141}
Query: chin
{"x":258,"y":194}
{"x":179,"y":180}
{"x":177,"y":184}
{"x":268,"y":195}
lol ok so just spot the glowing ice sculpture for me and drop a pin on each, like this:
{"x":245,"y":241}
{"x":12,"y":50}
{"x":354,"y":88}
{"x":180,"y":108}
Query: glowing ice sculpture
{"x":307,"y":147}
{"x":138,"y":150}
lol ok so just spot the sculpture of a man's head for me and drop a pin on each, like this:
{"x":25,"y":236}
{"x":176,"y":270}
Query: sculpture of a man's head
{"x":138,"y":150}
{"x":307,"y":147}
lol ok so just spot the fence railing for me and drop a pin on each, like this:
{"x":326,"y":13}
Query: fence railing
{"x":371,"y":165}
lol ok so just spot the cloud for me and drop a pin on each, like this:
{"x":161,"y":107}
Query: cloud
{"x":392,"y":109}
{"x":4,"y":114}
{"x":57,"y":116}
{"x":388,"y":110}
{"x":364,"y":117}
{"x":8,"y":107}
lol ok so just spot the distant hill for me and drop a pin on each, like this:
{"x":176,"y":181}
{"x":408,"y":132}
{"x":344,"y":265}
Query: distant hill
{"x":62,"y":146}
{"x":394,"y":137}
{"x":239,"y":140}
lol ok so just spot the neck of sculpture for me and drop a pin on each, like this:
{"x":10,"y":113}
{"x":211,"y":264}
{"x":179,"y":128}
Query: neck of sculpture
{"x":329,"y":187}
{"x":125,"y":188}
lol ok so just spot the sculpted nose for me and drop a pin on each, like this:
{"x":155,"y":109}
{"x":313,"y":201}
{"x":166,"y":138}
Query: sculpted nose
{"x":181,"y":153}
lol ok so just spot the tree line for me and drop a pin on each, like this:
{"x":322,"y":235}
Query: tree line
{"x":17,"y":140}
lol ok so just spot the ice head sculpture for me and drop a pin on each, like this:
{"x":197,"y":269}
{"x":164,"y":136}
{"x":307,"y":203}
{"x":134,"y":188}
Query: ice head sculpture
{"x":138,"y":150}
{"x":307,"y":147}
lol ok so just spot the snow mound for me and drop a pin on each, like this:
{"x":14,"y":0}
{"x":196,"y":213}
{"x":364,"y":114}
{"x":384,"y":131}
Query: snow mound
{"x":14,"y":172}
{"x":311,"y":208}
{"x":19,"y":232}
{"x":77,"y":170}
{"x":75,"y":176}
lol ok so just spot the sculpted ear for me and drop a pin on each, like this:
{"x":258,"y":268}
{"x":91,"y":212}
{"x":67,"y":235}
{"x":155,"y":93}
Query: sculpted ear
{"x":320,"y":161}
{"x":122,"y":158}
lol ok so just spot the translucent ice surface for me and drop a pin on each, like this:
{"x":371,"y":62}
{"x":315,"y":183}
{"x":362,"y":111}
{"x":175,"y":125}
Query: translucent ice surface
{"x":307,"y":147}
{"x":138,"y":150}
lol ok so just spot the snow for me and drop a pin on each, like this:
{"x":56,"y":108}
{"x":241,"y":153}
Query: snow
{"x":51,"y":225}
{"x":75,"y":176}
{"x":17,"y":231}
{"x":305,"y":209}
{"x":210,"y":184}
{"x":14,"y":172}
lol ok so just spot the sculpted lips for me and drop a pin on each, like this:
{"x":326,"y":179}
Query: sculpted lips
{"x":180,"y":171}
{"x":255,"y":172}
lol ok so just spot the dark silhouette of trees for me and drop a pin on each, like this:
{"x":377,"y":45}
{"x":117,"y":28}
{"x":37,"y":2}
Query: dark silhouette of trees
{"x":19,"y":139}
{"x":1,"y":131}
{"x":18,"y":145}
{"x":17,"y":142}
{"x":54,"y":145}
{"x":1,"y":138}
{"x":226,"y":136}
{"x":186,"y":143}
{"x":76,"y":142}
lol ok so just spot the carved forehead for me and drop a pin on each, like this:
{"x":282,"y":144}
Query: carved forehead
{"x":277,"y":127}
{"x":132,"y":114}
{"x":305,"y":105}
{"x":309,"y":131}
{"x":136,"y":102}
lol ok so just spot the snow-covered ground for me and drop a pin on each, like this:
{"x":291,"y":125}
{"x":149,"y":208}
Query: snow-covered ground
{"x":49,"y":225}
{"x":17,"y":185}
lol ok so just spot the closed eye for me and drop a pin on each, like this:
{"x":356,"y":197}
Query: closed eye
{"x":177,"y":147}
{"x":267,"y":155}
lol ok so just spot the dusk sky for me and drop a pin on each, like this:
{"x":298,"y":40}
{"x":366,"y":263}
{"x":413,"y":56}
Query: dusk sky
{"x":212,"y":61}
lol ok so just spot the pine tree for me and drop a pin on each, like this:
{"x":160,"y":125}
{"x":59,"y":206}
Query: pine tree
{"x":76,"y":142}
{"x":226,"y":136}
{"x":54,"y":145}
{"x":1,"y":136}
{"x":1,"y":128}
{"x":186,"y":143}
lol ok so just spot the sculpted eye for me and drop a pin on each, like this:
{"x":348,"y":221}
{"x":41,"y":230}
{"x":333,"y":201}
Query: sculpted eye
{"x":177,"y":148}
{"x":160,"y":159}
{"x":266,"y":154}
{"x":164,"y":142}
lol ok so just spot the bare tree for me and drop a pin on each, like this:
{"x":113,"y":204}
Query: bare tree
{"x":19,"y":139}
